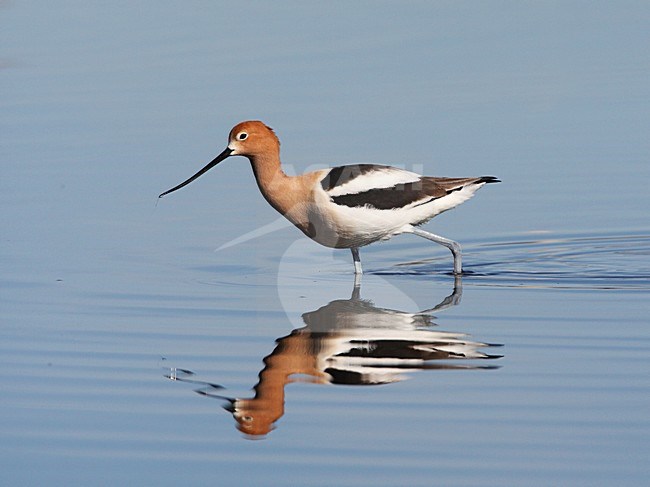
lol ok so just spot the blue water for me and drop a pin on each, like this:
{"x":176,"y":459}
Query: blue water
{"x":133,"y":352}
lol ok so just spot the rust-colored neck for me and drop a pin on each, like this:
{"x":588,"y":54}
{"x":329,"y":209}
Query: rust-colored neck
{"x":294,"y":354}
{"x":275,"y":185}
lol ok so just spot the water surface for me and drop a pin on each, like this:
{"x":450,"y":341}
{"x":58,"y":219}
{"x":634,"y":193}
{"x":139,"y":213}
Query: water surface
{"x":134,"y":353}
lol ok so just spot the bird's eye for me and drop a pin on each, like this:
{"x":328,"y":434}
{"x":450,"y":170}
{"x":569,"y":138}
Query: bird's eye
{"x":242,"y":136}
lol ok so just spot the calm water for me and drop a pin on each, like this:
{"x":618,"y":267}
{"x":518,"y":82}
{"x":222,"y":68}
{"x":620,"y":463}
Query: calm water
{"x":134,"y":353}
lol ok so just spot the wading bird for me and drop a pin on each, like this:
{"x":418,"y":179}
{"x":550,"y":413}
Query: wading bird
{"x":347,"y":207}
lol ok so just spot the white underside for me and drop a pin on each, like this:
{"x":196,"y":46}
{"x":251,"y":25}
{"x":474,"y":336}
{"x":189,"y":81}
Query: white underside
{"x":344,"y":227}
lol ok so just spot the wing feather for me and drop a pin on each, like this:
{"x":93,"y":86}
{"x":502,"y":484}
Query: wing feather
{"x":359,"y":178}
{"x":387,"y":188}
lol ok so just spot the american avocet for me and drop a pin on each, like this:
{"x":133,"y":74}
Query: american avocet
{"x":349,"y":206}
{"x":351,"y":342}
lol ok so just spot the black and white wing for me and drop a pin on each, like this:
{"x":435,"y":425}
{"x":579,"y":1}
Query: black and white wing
{"x":387,"y":188}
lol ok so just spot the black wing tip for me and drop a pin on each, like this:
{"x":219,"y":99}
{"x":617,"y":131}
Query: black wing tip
{"x":488,"y":179}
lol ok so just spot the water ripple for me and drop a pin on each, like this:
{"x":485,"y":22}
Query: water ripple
{"x":611,"y":262}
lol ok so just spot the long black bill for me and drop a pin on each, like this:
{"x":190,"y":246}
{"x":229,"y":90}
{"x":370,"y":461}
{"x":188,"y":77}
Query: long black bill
{"x":226,"y":153}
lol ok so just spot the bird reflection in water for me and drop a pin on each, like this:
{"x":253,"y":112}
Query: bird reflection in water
{"x":351,"y":342}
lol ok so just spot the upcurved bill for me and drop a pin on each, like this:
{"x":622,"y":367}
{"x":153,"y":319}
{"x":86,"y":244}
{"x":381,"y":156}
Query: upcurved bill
{"x":225,"y":154}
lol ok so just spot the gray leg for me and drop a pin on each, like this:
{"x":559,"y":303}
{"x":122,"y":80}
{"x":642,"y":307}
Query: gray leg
{"x":452,"y":300}
{"x":450,"y":244}
{"x":357,"y":260}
